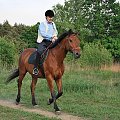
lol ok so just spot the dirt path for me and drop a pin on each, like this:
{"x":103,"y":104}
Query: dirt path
{"x":62,"y":116}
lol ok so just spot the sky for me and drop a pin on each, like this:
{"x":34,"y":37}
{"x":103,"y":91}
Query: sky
{"x":27,"y":12}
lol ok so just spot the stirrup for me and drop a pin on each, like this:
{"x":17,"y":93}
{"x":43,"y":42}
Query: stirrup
{"x":35,"y":71}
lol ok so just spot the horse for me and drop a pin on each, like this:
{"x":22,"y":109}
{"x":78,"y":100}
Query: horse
{"x":53,"y":67}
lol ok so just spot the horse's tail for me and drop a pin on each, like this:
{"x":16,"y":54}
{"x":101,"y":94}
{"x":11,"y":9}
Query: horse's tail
{"x":13,"y":75}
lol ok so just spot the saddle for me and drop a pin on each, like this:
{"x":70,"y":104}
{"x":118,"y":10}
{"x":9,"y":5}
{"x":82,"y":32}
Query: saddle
{"x":32,"y":58}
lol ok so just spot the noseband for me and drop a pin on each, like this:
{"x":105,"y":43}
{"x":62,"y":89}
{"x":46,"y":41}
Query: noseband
{"x":77,"y":48}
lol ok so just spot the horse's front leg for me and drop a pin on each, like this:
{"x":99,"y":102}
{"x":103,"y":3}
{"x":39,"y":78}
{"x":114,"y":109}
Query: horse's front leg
{"x":33,"y":84}
{"x":50,"y":81}
{"x":59,"y":87}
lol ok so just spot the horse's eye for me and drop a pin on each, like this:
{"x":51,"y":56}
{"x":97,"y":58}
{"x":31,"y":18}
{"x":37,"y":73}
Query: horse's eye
{"x":70,"y":40}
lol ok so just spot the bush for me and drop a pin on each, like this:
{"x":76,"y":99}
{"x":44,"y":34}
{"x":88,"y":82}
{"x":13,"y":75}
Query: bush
{"x":113,"y":45}
{"x":95,"y":55}
{"x":7,"y":52}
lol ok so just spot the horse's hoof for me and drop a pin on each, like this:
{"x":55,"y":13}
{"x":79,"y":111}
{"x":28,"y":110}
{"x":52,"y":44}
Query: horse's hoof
{"x":50,"y":101}
{"x":36,"y":106}
{"x":17,"y":103}
{"x":58,"y":112}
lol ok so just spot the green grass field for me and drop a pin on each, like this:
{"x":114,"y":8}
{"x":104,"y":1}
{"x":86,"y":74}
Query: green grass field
{"x":11,"y":114}
{"x":90,"y":94}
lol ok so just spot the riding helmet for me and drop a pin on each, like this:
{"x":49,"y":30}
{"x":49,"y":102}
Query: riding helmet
{"x":49,"y":13}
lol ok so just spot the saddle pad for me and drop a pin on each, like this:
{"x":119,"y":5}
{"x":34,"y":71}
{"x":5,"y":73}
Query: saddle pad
{"x":32,"y":58}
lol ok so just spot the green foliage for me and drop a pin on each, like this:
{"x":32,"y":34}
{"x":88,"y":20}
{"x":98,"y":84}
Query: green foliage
{"x":93,"y":20}
{"x":95,"y":55}
{"x":30,"y":35}
{"x":103,"y":18}
{"x":113,"y":45}
{"x":114,"y":29}
{"x":7,"y":52}
{"x":5,"y":29}
{"x":13,"y":34}
{"x":68,"y":16}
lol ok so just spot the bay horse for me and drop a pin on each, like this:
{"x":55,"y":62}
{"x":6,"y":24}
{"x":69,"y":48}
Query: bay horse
{"x":53,"y":66}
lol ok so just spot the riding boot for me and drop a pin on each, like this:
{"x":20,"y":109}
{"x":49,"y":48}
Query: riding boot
{"x":35,"y":70}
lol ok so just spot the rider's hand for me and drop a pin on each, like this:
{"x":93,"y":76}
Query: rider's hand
{"x":54,"y":38}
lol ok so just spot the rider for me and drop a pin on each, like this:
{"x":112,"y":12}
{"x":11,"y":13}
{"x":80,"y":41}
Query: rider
{"x":47,"y":33}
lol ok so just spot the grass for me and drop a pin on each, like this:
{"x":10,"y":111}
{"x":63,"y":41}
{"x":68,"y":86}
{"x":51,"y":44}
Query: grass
{"x":11,"y":114}
{"x":91,"y":94}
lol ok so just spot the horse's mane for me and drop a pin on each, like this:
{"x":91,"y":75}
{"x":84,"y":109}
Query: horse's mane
{"x":61,"y":37}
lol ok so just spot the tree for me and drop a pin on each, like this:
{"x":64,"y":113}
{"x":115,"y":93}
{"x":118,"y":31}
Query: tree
{"x":30,"y":35}
{"x":7,"y":52}
{"x":103,"y":20}
{"x":5,"y":28}
{"x":114,"y":30}
{"x":69,"y":16}
{"x":113,"y":45}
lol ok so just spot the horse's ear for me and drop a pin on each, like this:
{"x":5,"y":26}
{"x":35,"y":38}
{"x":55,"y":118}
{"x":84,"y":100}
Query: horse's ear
{"x":77,"y":33}
{"x":70,"y":31}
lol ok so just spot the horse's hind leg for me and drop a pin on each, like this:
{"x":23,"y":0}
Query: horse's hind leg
{"x":21,"y":76}
{"x":33,"y":84}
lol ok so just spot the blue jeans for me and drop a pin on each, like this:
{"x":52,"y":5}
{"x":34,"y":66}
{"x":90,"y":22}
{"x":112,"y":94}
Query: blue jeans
{"x":41,"y":48}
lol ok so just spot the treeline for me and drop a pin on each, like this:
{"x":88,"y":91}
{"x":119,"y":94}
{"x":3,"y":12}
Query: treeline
{"x":97,"y":22}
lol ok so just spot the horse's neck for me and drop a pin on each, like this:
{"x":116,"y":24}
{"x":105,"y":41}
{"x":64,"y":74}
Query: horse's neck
{"x":59,"y":52}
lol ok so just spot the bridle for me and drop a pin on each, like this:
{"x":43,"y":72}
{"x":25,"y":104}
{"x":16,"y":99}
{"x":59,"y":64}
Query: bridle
{"x":77,"y":48}
{"x":68,"y":39}
{"x":74,"y":48}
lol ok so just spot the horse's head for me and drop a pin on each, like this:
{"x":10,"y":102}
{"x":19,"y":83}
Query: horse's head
{"x":73,"y":44}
